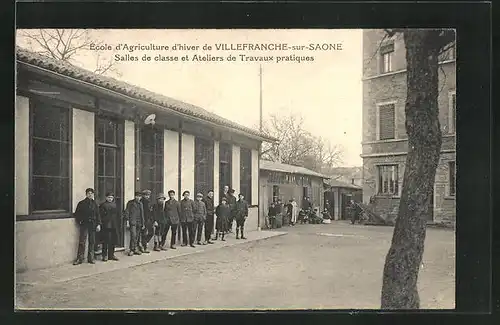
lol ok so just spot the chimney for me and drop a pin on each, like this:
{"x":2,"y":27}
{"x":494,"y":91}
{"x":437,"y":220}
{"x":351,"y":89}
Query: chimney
{"x":352,"y":181}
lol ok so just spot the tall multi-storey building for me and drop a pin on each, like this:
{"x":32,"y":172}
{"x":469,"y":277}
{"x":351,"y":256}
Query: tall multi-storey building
{"x":385,"y":142}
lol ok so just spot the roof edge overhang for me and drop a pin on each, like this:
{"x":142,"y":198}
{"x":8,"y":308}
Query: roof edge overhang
{"x":158,"y":108}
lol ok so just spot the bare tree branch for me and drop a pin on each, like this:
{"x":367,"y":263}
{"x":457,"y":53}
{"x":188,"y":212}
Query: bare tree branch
{"x":67,"y":45}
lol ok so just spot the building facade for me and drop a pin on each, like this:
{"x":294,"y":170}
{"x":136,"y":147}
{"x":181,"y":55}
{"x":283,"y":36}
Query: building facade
{"x":338,"y":194}
{"x":76,"y":130}
{"x":385,"y":143}
{"x":284,"y":182}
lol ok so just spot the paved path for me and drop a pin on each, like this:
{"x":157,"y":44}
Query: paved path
{"x":313,"y":266}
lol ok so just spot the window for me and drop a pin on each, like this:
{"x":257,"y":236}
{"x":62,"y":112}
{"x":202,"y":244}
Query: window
{"x":452,"y":112}
{"x":388,"y":179}
{"x":276,"y":193}
{"x":51,"y":158}
{"x":204,"y":166}
{"x":109,"y":139}
{"x":151,"y":164}
{"x":452,"y":178}
{"x":449,"y":53}
{"x":387,"y":121}
{"x":246,"y":173}
{"x":386,"y":54}
{"x":225,"y":162}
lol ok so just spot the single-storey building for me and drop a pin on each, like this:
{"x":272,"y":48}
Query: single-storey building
{"x":338,"y":194}
{"x":283,"y":181}
{"x":75,"y":129}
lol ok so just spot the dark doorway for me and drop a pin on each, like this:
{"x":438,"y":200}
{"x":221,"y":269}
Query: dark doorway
{"x":346,"y":198}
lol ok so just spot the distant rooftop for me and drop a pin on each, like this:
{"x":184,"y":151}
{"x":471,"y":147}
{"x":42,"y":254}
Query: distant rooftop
{"x":285,"y":168}
{"x":337,"y":183}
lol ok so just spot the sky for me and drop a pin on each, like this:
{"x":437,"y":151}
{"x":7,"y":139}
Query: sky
{"x":326,"y":91}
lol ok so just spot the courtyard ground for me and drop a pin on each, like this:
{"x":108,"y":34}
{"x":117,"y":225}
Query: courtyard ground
{"x":333,"y":266}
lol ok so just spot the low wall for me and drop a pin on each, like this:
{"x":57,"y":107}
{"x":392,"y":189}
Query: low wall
{"x":45,"y":243}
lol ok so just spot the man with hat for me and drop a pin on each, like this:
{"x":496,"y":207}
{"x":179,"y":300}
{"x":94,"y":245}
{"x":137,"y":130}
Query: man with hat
{"x":134,"y":217}
{"x":172,"y":214}
{"x":187,"y":219}
{"x":200,"y":215}
{"x":110,"y":227}
{"x":88,"y":218}
{"x":241,"y":215}
{"x":231,"y":200}
{"x":147,"y":233}
{"x":159,"y":221}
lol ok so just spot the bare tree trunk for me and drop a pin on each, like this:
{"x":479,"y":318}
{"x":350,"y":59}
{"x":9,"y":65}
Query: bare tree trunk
{"x":399,"y":289}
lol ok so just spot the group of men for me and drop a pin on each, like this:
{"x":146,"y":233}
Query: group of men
{"x":290,"y":210}
{"x":148,"y":220}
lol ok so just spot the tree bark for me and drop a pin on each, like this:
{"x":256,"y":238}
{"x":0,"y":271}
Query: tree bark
{"x":402,"y":264}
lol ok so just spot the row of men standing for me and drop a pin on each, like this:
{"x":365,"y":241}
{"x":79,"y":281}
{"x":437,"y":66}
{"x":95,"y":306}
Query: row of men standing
{"x":146,"y":220}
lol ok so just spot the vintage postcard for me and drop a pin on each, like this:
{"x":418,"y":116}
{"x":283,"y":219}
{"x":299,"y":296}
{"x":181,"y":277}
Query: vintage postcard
{"x":235,"y":169}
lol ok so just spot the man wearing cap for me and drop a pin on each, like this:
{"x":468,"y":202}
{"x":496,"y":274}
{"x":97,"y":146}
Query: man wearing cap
{"x":172,"y":214}
{"x":159,"y":221}
{"x":200,"y":215}
{"x":187,"y":219}
{"x":110,"y":227}
{"x":231,"y":200}
{"x":88,"y":218}
{"x":209,"y":223}
{"x":241,"y":215}
{"x":146,"y":233}
{"x":134,"y":217}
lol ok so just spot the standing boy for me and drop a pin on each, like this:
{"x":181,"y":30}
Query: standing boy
{"x":187,"y":219}
{"x":223,"y":212}
{"x":241,"y":215}
{"x":200,"y":215}
{"x":231,"y":201}
{"x":146,"y":233}
{"x":88,"y":218}
{"x":110,"y":227}
{"x":209,"y":223}
{"x":172,"y":214}
{"x":134,"y":217}
{"x":159,"y":221}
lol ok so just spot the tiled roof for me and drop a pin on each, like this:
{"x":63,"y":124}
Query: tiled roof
{"x":336,"y":183}
{"x":284,"y":168}
{"x":69,"y":70}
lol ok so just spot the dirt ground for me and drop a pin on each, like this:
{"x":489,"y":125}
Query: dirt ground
{"x":313,"y":266}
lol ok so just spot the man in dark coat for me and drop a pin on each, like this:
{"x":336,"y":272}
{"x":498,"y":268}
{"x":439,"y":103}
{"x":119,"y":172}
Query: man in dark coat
{"x":88,"y":218}
{"x":271,"y":214}
{"x":209,"y":223}
{"x":147,"y":232}
{"x":134,"y":217}
{"x":187,"y":219}
{"x":110,"y":227}
{"x":159,"y":221}
{"x":241,"y":215}
{"x":172,"y":214}
{"x":223,"y":212}
{"x":231,"y":200}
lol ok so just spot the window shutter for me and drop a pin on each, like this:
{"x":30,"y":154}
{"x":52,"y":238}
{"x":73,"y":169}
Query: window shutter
{"x":387,"y":122}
